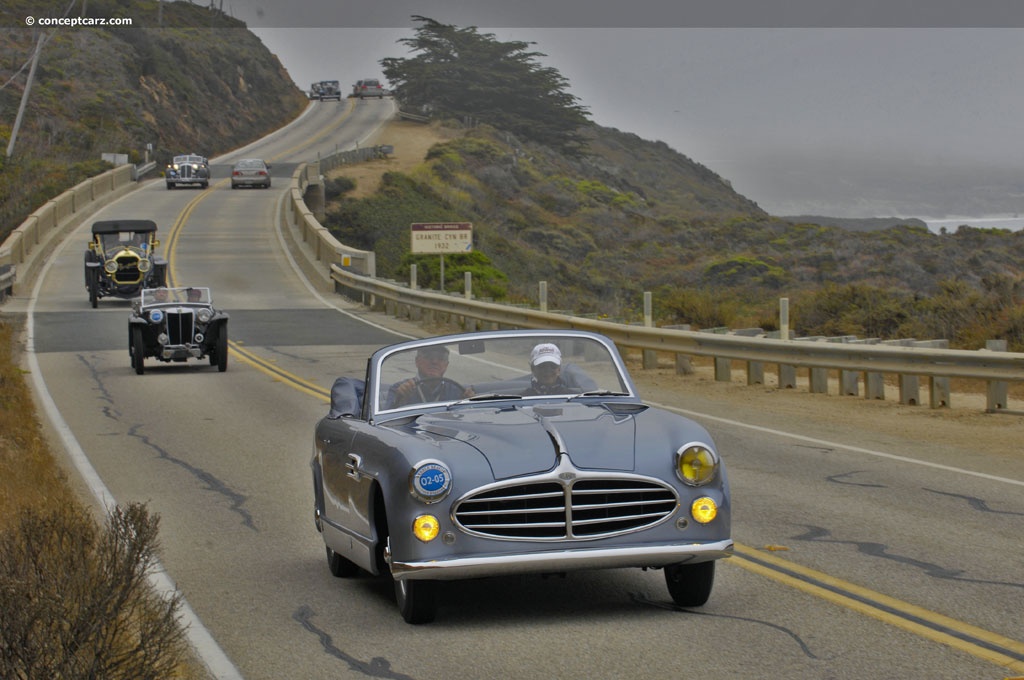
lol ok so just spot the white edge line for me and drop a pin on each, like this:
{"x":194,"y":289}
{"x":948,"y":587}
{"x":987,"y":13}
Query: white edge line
{"x":206,"y":648}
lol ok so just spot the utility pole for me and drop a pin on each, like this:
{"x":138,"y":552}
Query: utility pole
{"x":24,"y":96}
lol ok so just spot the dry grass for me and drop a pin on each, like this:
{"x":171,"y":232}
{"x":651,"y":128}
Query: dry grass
{"x":74,"y":599}
{"x":29,"y":475}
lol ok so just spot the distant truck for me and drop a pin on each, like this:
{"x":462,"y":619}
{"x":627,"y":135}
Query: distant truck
{"x":324,"y":90}
{"x":369,"y":87}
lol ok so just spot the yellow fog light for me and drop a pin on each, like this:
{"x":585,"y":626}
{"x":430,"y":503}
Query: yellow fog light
{"x":696,"y":464}
{"x":704,"y":509}
{"x":425,"y":528}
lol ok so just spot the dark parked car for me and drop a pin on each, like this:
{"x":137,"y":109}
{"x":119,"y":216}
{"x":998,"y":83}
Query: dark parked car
{"x":177,"y":324}
{"x":187,"y":170}
{"x":512,"y":452}
{"x":121,"y":259}
{"x":250,"y":172}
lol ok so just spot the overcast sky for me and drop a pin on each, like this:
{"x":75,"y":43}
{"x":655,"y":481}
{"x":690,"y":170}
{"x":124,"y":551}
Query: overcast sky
{"x":856,"y":108}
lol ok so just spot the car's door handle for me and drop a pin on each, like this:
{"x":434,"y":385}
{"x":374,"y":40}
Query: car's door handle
{"x":355,"y":461}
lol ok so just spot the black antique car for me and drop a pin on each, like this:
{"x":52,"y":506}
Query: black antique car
{"x":512,"y":452}
{"x":121,"y":260}
{"x":186,"y":170}
{"x":177,"y":324}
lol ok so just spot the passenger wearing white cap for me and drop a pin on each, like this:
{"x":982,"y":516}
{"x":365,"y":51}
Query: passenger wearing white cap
{"x":546,"y":367}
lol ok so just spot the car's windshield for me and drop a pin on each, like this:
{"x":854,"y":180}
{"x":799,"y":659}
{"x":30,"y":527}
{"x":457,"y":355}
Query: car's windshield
{"x":520,"y":367}
{"x":125,"y":239}
{"x":158,"y":296}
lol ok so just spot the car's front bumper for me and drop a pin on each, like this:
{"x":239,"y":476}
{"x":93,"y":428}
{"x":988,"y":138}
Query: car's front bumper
{"x":556,"y":561}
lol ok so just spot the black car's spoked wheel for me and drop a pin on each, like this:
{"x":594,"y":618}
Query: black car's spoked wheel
{"x":417,"y":600}
{"x":94,"y":290}
{"x":138,"y":351}
{"x":690,"y":584}
{"x":222,"y":348}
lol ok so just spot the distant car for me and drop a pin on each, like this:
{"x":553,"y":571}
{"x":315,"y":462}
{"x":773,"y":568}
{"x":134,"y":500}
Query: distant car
{"x":325,"y":89}
{"x":121,"y":259}
{"x":370,"y":87}
{"x":250,"y":172}
{"x":512,"y":452}
{"x":187,"y":170}
{"x":177,"y":324}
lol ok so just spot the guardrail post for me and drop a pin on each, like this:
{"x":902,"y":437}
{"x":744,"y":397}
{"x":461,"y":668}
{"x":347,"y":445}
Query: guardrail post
{"x":998,"y":394}
{"x":819,"y":380}
{"x":723,"y":369}
{"x":874,"y":386}
{"x":784,"y":318}
{"x":910,"y":390}
{"x":849,"y":383}
{"x":543,"y":294}
{"x":684,"y":366}
{"x":787,"y":376}
{"x":650,"y":355}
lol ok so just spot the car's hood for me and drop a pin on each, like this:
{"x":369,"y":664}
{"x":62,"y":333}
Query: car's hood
{"x":527,"y":440}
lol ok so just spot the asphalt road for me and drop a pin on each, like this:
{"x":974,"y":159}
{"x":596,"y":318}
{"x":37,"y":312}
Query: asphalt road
{"x":862,"y":553}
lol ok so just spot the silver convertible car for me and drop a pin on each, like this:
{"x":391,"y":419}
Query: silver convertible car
{"x":512,"y":452}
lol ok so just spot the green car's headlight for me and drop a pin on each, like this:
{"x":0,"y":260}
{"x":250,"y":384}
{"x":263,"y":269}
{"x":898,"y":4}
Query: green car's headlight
{"x":110,"y":266}
{"x":144,"y":265}
{"x":696,"y":464}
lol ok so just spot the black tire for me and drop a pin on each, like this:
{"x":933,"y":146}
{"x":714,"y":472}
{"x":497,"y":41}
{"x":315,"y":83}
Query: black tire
{"x":204,"y":185}
{"x":690,"y":584}
{"x":341,"y":567}
{"x":170,"y":186}
{"x":138,"y":351}
{"x":94,"y":289}
{"x":417,"y":600}
{"x":222,"y":348}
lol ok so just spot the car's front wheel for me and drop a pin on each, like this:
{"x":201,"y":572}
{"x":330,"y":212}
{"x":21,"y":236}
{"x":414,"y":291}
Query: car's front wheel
{"x":340,"y":567}
{"x":138,"y":351}
{"x":222,"y":348}
{"x":690,"y":584}
{"x":417,"y":600}
{"x":94,"y":289}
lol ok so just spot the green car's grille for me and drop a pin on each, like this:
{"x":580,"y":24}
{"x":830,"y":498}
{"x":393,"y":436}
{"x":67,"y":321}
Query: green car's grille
{"x":583,"y":509}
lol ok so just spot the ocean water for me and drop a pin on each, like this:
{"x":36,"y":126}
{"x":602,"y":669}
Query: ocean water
{"x":1013,"y":223}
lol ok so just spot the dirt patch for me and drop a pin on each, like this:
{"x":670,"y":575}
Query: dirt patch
{"x":410,"y":140}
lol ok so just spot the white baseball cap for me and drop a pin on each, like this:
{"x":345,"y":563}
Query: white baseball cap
{"x":546,"y":353}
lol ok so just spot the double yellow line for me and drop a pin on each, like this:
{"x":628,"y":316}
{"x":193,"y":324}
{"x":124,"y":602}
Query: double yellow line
{"x":1000,"y":650}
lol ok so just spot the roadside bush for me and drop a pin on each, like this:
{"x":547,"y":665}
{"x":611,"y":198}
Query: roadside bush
{"x":75,"y":601}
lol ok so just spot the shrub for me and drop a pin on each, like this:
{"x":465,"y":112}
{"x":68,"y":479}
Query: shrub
{"x":75,"y":601}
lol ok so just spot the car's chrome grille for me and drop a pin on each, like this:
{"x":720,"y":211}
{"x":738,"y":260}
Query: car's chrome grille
{"x":581,"y":510}
{"x":180,"y":327}
{"x":127,"y":269}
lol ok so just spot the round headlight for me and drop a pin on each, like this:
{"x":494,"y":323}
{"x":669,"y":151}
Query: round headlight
{"x":144,"y":265}
{"x":156,"y":316}
{"x":696,"y":464}
{"x":204,"y":315}
{"x":704,"y":509}
{"x":110,"y":266}
{"x":426,"y":528}
{"x":430,"y":481}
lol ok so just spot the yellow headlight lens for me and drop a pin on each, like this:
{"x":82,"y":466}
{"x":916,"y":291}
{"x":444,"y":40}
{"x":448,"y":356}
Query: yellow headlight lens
{"x":426,"y":528}
{"x":696,"y":464}
{"x":704,"y":509}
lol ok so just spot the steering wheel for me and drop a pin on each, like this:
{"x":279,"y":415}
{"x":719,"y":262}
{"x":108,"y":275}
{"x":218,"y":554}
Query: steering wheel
{"x":429,"y":386}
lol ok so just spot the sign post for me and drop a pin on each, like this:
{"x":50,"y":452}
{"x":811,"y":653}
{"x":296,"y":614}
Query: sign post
{"x":441,"y":238}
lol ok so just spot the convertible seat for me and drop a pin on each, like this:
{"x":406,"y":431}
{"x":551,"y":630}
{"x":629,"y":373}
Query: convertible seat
{"x":347,"y":398}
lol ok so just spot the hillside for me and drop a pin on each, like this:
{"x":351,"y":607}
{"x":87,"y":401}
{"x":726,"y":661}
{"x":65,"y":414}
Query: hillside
{"x":633,"y":216}
{"x":182,"y":78}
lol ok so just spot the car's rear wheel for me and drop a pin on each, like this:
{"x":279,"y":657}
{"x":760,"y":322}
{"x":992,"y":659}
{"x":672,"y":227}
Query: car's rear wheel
{"x":690,"y":584}
{"x":222,"y":348}
{"x":138,"y":351}
{"x":341,"y":567}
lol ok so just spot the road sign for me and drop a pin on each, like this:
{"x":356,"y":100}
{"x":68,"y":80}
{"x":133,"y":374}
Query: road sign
{"x":440,"y":238}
